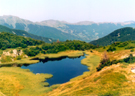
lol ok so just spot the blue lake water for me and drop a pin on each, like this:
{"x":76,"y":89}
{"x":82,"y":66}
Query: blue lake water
{"x":62,"y":69}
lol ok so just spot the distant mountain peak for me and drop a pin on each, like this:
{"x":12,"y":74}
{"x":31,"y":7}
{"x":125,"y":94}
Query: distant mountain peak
{"x":52,"y":23}
{"x":84,"y":23}
{"x":12,"y":20}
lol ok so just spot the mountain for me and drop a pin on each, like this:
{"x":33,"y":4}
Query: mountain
{"x":34,"y":28}
{"x":123,"y":34}
{"x":25,"y":34}
{"x":62,"y":30}
{"x":87,"y":30}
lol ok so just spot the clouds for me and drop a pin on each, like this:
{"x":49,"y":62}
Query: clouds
{"x":70,"y":10}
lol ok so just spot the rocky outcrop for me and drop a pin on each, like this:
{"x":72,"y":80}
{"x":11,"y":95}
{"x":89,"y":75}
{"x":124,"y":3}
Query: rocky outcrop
{"x":14,"y":53}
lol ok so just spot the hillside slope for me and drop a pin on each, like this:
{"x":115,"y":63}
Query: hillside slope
{"x":123,"y":34}
{"x":25,"y":34}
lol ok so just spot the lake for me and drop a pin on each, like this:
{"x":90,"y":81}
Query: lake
{"x":62,"y":69}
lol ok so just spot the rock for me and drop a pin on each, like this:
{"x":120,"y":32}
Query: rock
{"x":6,"y":53}
{"x":15,"y":52}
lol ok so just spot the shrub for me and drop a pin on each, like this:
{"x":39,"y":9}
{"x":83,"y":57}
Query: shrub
{"x":132,"y":50}
{"x":111,"y":49}
{"x":129,"y":59}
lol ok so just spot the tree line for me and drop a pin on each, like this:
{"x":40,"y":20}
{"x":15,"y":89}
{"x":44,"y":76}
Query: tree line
{"x":56,"y":47}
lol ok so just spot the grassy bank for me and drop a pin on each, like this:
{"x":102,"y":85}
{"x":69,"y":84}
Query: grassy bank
{"x":92,"y":61}
{"x":15,"y":81}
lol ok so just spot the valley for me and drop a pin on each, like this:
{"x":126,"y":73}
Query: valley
{"x":105,"y":70}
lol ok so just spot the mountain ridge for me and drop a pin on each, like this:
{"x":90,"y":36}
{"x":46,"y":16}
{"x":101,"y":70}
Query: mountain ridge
{"x":62,"y":30}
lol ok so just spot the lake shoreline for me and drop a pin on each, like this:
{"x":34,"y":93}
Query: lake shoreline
{"x":36,"y":59}
{"x":40,"y":83}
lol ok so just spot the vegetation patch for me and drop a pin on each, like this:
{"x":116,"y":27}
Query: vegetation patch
{"x":58,"y":47}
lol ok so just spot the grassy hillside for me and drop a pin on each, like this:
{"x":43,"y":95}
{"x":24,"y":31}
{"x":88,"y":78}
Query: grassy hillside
{"x":24,"y":33}
{"x":123,"y":34}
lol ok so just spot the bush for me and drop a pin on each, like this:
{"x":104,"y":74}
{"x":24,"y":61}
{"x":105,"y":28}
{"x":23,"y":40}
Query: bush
{"x":111,"y":49}
{"x":132,"y":50}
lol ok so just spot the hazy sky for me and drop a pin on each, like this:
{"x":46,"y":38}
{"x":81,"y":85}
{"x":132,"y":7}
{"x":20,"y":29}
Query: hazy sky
{"x":70,"y":10}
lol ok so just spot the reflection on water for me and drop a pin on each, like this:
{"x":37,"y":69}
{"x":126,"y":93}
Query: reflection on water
{"x":62,"y":69}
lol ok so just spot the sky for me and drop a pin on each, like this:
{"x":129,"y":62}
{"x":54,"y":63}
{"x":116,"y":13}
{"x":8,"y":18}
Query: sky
{"x":70,"y":10}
